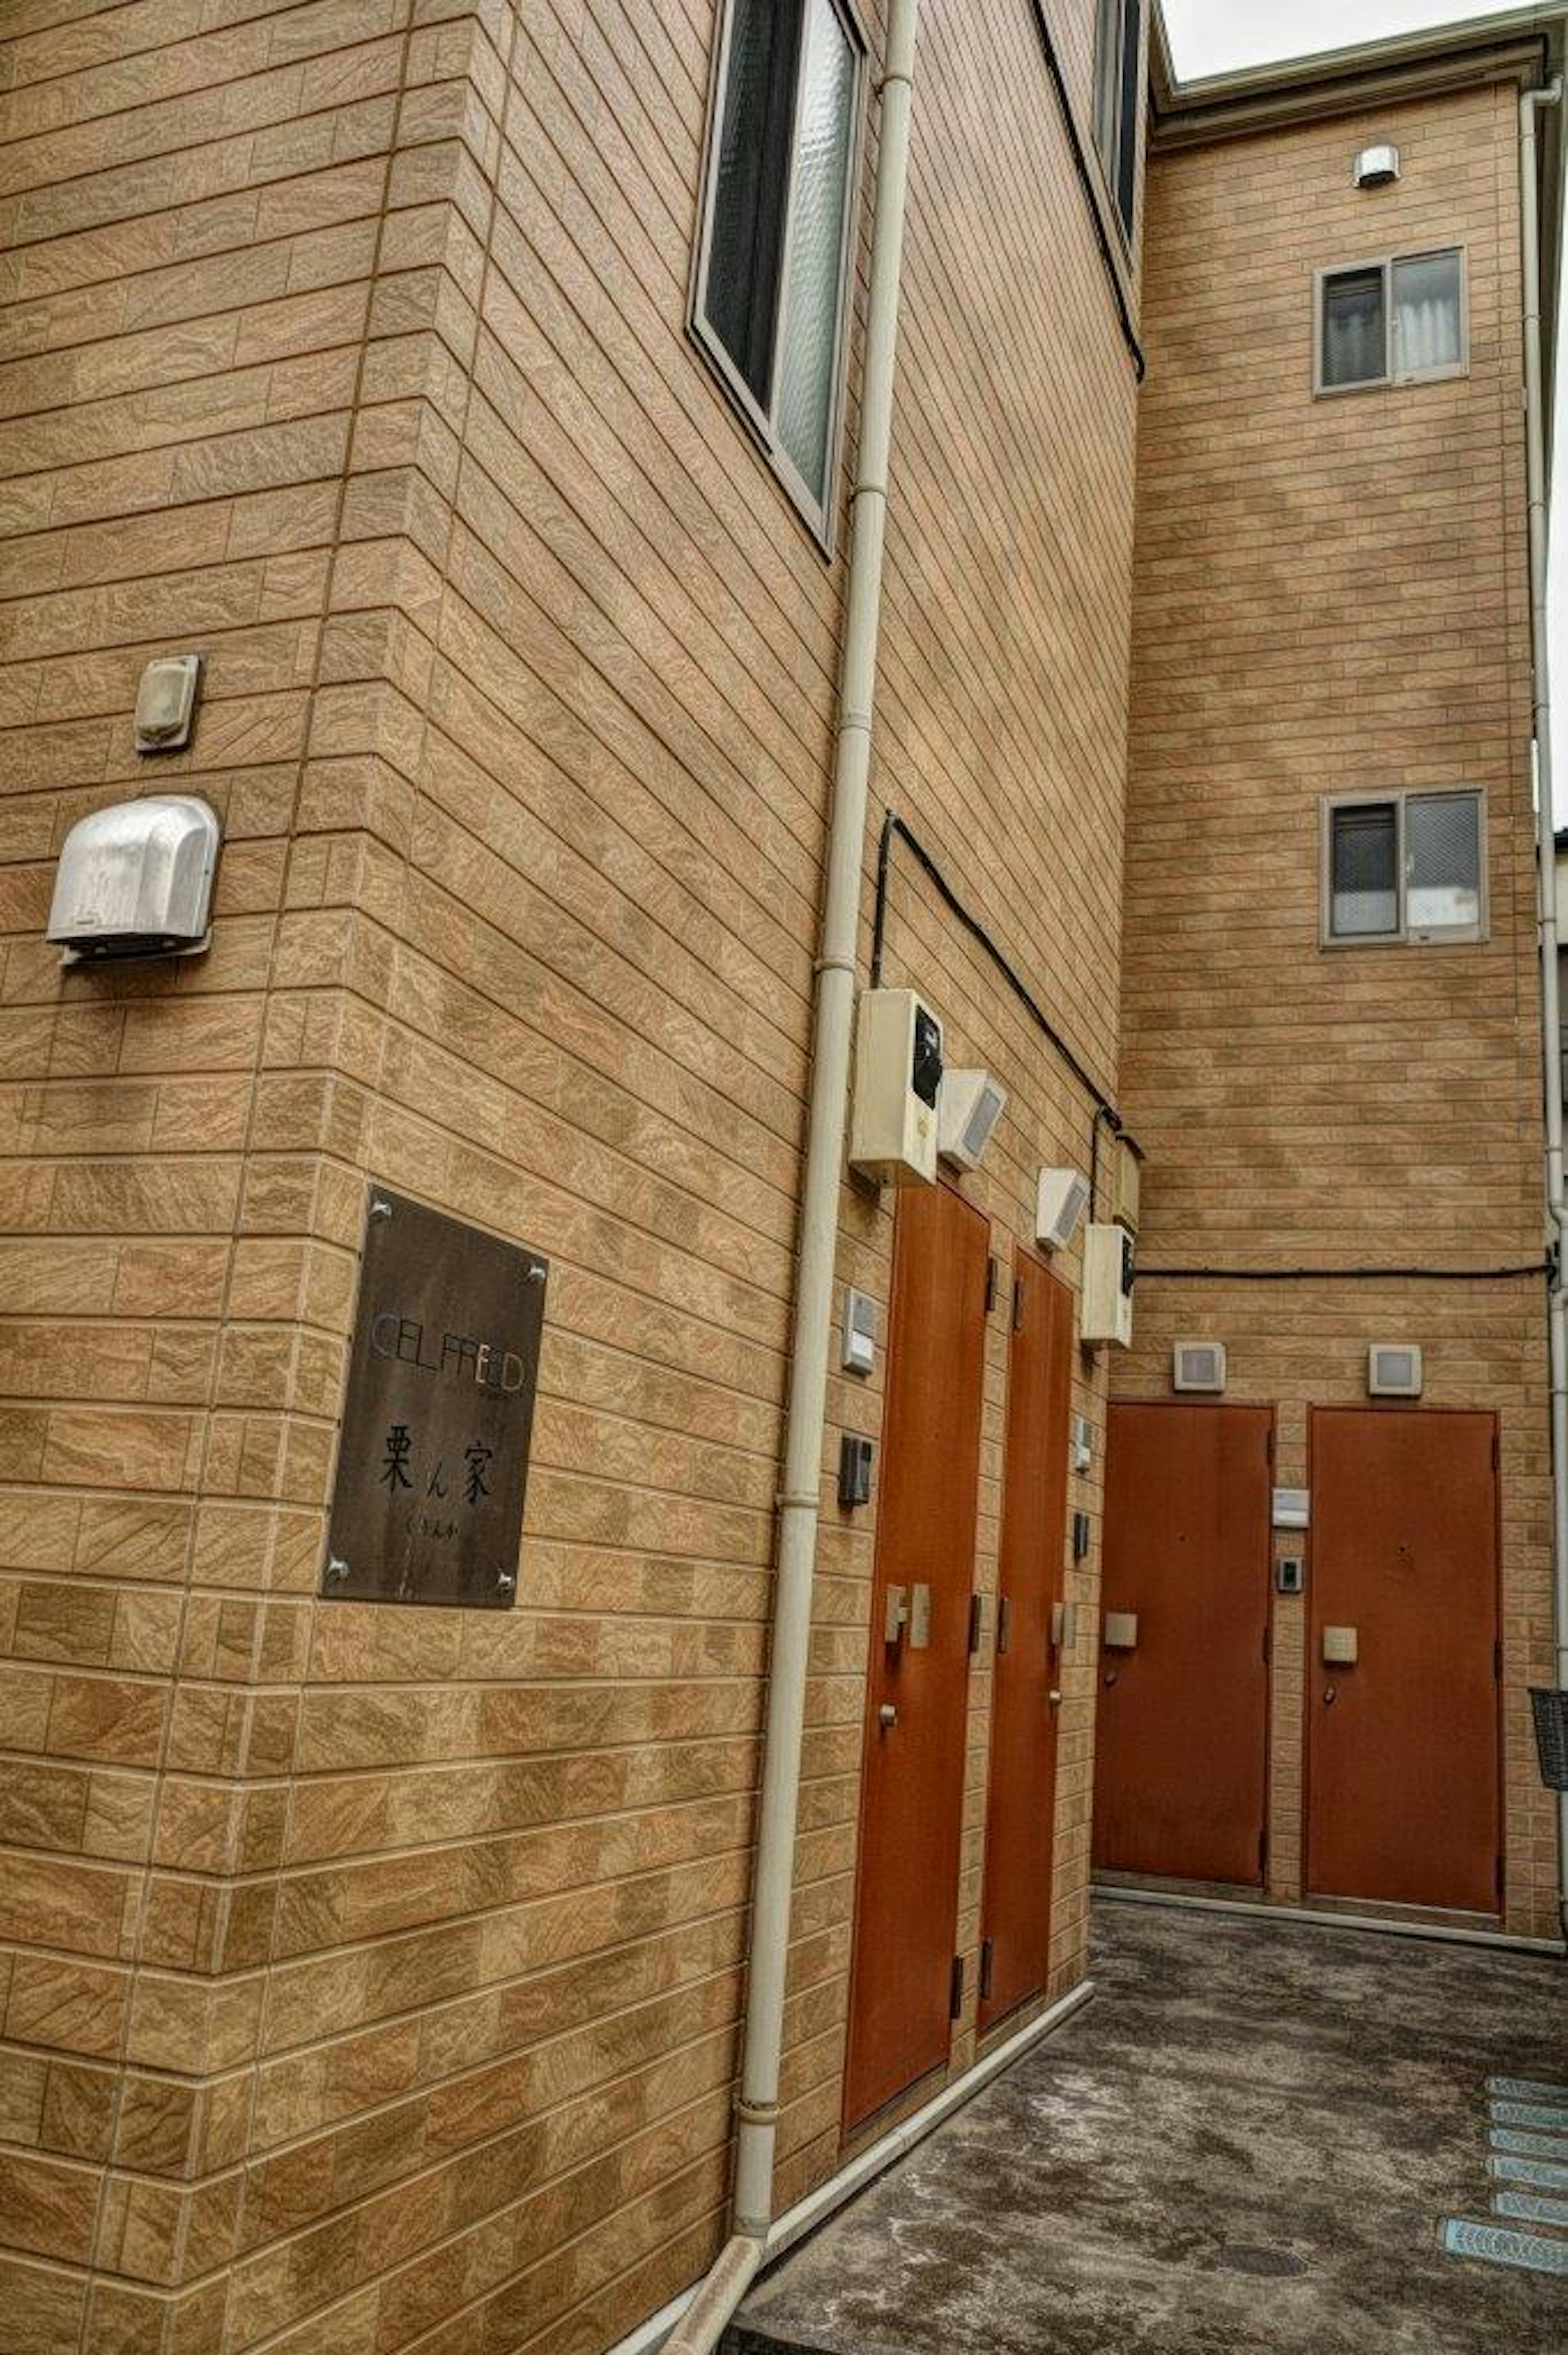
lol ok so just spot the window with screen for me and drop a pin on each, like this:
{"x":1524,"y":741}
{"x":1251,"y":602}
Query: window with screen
{"x":773,"y":265}
{"x":1410,"y":867}
{"x":1397,"y":322}
{"x":1119,"y":101}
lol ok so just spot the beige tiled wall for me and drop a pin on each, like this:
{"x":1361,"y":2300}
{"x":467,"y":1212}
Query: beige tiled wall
{"x":371,"y":1979}
{"x":1332,"y":596}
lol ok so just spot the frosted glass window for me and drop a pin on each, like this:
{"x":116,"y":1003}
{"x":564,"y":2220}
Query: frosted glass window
{"x":808,"y":337}
{"x":1427,"y":334}
{"x":1443,"y":862}
{"x":751,"y":179}
{"x":1355,"y":328}
{"x":1365,"y":862}
{"x":772,"y":283}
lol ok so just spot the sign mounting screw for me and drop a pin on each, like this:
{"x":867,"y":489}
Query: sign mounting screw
{"x":337,"y":1570}
{"x":380,"y":1208}
{"x":504,"y":1582}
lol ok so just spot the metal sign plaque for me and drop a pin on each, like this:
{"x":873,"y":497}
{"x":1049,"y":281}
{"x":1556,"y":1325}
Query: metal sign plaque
{"x":433,"y":1462}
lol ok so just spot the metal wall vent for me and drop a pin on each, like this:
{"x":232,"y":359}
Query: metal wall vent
{"x":1393,"y":1371}
{"x":1198,"y":1366}
{"x":1375,"y":168}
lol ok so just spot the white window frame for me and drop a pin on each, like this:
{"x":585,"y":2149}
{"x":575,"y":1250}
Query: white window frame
{"x":1107,"y":93}
{"x":821,"y":512}
{"x":1385,"y":262}
{"x":1405,"y":935}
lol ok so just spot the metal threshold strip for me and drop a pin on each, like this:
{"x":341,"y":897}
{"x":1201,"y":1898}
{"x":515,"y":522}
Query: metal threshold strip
{"x":1315,"y":1918}
{"x":1531,"y":2207}
{"x":1527,"y":2135}
{"x":1495,"y":2245}
{"x":1528,"y":2145}
{"x":1541,"y":2174}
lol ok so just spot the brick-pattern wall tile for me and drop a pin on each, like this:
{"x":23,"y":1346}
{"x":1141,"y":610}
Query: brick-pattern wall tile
{"x":1332,"y":596}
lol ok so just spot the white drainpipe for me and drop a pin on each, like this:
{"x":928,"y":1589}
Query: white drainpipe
{"x":757,"y":2110}
{"x":1551,"y":1011}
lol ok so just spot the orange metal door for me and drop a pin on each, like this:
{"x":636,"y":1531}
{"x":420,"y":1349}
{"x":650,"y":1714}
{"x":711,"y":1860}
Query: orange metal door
{"x":1402,"y":1766}
{"x":1020,"y":1805}
{"x":906,"y":1897}
{"x":1182,"y":1744}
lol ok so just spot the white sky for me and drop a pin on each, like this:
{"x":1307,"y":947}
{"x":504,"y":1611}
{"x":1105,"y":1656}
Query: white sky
{"x":1207,"y":35}
{"x":1210,"y":36}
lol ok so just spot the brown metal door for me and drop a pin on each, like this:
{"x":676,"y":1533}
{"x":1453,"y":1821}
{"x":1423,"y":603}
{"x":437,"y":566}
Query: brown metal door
{"x":1182,"y":1742}
{"x":1402,"y":1764}
{"x":906,"y":1897}
{"x":1020,"y":1804}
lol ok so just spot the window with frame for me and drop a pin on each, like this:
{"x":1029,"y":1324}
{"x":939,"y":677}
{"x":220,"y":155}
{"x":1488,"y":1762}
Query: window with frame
{"x":1405,"y":867}
{"x":1118,"y":90}
{"x":1396,"y":321}
{"x":773,"y":265}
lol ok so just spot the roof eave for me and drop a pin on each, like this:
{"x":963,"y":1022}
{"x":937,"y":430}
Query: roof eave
{"x":1527,"y":41}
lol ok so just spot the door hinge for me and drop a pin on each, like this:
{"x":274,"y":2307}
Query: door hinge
{"x":988,"y":1957}
{"x":1268,"y":1644}
{"x":955,"y":1999}
{"x":992,"y":1280}
{"x":1501,"y":1882}
{"x":1017,"y":1306}
{"x":1498,"y":1659}
{"x":1497,"y":1451}
{"x":1004,"y":1624}
{"x":977,"y":1620}
{"x":1268,"y":1445}
{"x":1263,"y":1853}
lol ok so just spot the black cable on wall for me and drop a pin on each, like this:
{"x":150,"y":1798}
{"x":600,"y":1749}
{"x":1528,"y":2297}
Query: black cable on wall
{"x":894,"y":829}
{"x":1106,"y":1116}
{"x":1341,"y":1275}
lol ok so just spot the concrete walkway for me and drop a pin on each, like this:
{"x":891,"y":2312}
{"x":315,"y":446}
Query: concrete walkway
{"x":1249,"y":2140}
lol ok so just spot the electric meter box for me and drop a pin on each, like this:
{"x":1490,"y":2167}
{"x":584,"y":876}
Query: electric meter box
{"x":1109,"y":1268}
{"x":897,"y":1083}
{"x":1126,"y":1181}
{"x":136,"y":879}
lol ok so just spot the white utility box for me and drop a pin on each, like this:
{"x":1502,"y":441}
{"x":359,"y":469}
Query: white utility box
{"x":1109,"y":1267}
{"x":897,"y":1082}
{"x":1127,"y":1179}
{"x":1061,"y":1198}
{"x":970,"y":1105}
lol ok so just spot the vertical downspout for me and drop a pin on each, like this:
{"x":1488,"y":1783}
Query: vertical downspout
{"x":1546,"y":858}
{"x":706,"y":2319}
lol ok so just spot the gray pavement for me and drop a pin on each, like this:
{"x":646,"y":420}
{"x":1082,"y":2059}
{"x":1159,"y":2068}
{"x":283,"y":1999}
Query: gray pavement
{"x":1249,"y":2140}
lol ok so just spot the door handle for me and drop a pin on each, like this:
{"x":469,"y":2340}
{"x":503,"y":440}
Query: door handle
{"x":886,"y":1716}
{"x":1331,"y":1696}
{"x":1055,"y":1697}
